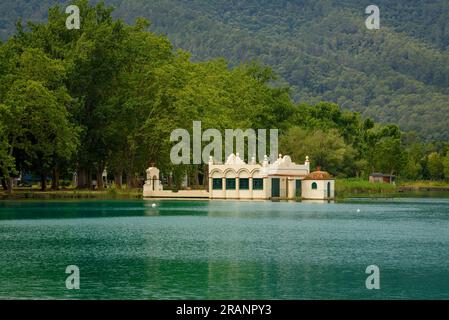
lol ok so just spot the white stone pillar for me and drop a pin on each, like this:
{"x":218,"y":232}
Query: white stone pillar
{"x":251,"y":187}
{"x":291,"y":188}
{"x":223,"y":186}
{"x":210,"y":187}
{"x":237,"y":187}
{"x":266,"y":187}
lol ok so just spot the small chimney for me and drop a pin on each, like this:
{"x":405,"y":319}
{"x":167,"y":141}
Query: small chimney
{"x":318,"y":168}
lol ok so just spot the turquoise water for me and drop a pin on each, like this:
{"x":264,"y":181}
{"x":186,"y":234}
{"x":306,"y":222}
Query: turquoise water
{"x":224,"y":249}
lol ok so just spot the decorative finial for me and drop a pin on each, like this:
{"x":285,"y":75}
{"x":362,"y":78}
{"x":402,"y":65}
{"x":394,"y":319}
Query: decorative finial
{"x":253,"y":159}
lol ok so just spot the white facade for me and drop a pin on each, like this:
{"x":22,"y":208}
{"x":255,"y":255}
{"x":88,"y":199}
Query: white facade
{"x":282,"y":179}
{"x":318,"y":189}
{"x":153,"y":182}
{"x":153,"y":188}
{"x":238,"y":180}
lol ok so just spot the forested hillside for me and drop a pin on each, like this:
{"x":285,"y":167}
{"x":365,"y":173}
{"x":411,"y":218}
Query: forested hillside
{"x":108,"y":96}
{"x":321,"y":48}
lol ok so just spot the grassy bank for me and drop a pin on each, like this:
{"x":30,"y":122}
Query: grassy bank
{"x":358,"y":187}
{"x":354,"y":187}
{"x":345,"y":188}
{"x":424,"y":184}
{"x":73,"y":194}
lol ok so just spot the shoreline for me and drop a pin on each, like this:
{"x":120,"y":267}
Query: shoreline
{"x":345,"y":188}
{"x":70,"y":195}
{"x":400,"y":192}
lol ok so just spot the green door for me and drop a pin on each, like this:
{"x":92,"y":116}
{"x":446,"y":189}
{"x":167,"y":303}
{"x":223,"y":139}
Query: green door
{"x":298,"y":188}
{"x":275,"y":188}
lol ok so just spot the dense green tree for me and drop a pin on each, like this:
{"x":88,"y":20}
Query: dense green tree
{"x":325,"y":149}
{"x":435,"y":165}
{"x":37,"y":125}
{"x":109,"y":95}
{"x":34,"y":113}
{"x":446,"y":166}
{"x":390,"y":155}
{"x":7,"y":163}
{"x":320,"y":48}
{"x":412,"y":169}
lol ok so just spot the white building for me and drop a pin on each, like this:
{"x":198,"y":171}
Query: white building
{"x":318,"y":185}
{"x":282,"y":179}
{"x":153,"y":182}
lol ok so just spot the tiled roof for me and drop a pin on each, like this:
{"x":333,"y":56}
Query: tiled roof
{"x":319,"y":175}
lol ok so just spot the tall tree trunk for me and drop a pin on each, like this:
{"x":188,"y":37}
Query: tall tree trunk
{"x":135,"y":181}
{"x":197,"y":177}
{"x":132,"y":182}
{"x":43,"y":181}
{"x":170,"y":180}
{"x":55,"y":179}
{"x":4,"y":185}
{"x":82,"y":178}
{"x":100,"y":184}
{"x":129,"y":180}
{"x":9,"y":185}
{"x":89,"y":184}
{"x":118,"y":174}
{"x":8,"y":178}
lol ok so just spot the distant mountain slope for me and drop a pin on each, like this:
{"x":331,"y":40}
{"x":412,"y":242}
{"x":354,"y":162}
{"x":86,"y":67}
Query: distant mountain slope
{"x":321,"y":48}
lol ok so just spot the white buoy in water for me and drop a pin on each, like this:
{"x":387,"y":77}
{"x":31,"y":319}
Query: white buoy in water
{"x":358,"y":210}
{"x":153,"y":205}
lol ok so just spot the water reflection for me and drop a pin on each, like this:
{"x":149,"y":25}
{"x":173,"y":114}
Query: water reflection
{"x":224,"y":249}
{"x":318,"y":201}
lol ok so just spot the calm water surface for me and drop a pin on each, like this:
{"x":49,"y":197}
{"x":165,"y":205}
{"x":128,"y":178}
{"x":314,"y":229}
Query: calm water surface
{"x":224,"y":250}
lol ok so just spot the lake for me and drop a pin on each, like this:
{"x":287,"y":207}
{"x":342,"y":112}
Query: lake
{"x":224,"y":249}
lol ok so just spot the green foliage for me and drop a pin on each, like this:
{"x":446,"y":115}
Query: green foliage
{"x":389,"y":155}
{"x":7,"y":163}
{"x":121,"y":90}
{"x":435,"y":166}
{"x":109,"y":95}
{"x":325,"y":149}
{"x":34,"y":111}
{"x":412,"y":169}
{"x":323,"y":50}
{"x":398,"y":74}
{"x":351,"y":186}
{"x":113,"y":191}
{"x":446,"y":166}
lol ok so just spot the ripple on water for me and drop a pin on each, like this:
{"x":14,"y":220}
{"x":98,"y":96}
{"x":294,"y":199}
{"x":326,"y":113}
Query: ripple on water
{"x":224,"y":249}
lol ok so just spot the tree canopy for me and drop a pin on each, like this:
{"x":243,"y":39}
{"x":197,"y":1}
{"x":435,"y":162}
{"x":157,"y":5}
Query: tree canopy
{"x":107,"y":96}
